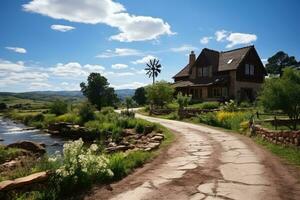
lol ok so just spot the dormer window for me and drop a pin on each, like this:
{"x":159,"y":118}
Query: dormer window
{"x":249,"y":69}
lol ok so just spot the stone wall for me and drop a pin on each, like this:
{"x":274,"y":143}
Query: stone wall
{"x":289,"y":138}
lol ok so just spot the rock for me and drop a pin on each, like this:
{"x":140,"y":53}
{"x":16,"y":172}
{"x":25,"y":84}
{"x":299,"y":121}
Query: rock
{"x":55,"y":144}
{"x":117,"y":148}
{"x":112,"y":144}
{"x":10,"y":165}
{"x":24,"y":181}
{"x":152,"y":145}
{"x":1,"y":139}
{"x":29,"y":146}
{"x":157,"y":138}
{"x":126,"y":132}
{"x":42,"y":144}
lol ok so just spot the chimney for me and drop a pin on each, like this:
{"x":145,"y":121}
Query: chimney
{"x":192,"y":58}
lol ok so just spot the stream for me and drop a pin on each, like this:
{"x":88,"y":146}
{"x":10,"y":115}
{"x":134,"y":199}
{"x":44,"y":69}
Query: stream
{"x":11,"y":132}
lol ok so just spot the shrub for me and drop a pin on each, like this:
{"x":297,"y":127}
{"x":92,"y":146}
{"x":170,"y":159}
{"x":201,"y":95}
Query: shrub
{"x":207,"y":105}
{"x":82,"y":166}
{"x":229,"y":106}
{"x":160,"y":93}
{"x":8,"y":153}
{"x":68,"y":117}
{"x":59,"y":107}
{"x":117,"y":165}
{"x":107,"y":110}
{"x":208,"y":118}
{"x":232,"y":120}
{"x":86,"y":112}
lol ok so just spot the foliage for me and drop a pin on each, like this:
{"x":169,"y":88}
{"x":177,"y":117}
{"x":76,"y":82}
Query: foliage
{"x":3,"y":106}
{"x":210,"y":105}
{"x":229,"y":120}
{"x":129,"y":103}
{"x":82,"y":166}
{"x":59,"y":107}
{"x":279,"y":61}
{"x":283,"y":94}
{"x":159,"y":93}
{"x":153,"y":69}
{"x":140,"y":96}
{"x":183,"y":100}
{"x":68,"y":117}
{"x":230,"y":106}
{"x":7,"y":154}
{"x":86,"y":112}
{"x":98,"y":92}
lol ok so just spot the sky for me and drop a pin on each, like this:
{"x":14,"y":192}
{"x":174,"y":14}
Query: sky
{"x":55,"y":44}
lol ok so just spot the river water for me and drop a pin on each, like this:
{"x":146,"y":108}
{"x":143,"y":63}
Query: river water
{"x":11,"y":132}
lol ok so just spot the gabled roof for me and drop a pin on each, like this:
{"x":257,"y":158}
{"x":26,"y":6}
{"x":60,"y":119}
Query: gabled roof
{"x":230,"y":60}
{"x":184,"y":72}
{"x":225,"y":60}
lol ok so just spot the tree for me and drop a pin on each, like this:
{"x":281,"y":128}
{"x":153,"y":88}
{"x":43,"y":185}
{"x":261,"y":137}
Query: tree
{"x":98,"y":92}
{"x":283,"y":94}
{"x":279,"y":61}
{"x":129,"y":103}
{"x":153,"y":69}
{"x":160,"y":93}
{"x":140,"y":96}
{"x":59,"y":107}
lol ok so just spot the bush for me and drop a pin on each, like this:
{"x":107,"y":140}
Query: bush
{"x":229,"y":106}
{"x":7,"y":154}
{"x":86,"y":112}
{"x":232,"y":120}
{"x":117,"y":165}
{"x":59,"y":107}
{"x":208,"y":118}
{"x":210,"y":105}
{"x":107,"y":110}
{"x":68,"y":117}
{"x":160,"y":93}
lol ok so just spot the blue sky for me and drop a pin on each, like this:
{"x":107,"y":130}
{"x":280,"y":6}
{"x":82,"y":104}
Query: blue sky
{"x":55,"y":44}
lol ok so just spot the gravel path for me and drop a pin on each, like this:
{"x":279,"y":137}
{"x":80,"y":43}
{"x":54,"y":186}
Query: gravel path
{"x":206,"y":163}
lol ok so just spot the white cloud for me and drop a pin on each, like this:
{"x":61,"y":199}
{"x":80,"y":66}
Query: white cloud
{"x":131,"y":27}
{"x":205,"y":40}
{"x":119,"y":52}
{"x":221,"y":35}
{"x":142,"y":71}
{"x":17,"y":49}
{"x":264,"y":61}
{"x":240,"y":38}
{"x":144,"y":60}
{"x":8,"y":66}
{"x":119,"y":66}
{"x":39,"y":86}
{"x":184,"y":48}
{"x":132,"y":85}
{"x":75,"y":69}
{"x":61,"y":28}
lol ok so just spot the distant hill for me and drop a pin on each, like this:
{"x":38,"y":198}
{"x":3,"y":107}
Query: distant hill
{"x":50,"y":95}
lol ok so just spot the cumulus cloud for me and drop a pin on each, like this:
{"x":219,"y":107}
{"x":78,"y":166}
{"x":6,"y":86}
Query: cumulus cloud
{"x":184,"y":48}
{"x":39,"y":86}
{"x":221,"y":35}
{"x":17,"y":49}
{"x":132,"y":85}
{"x":240,"y":38}
{"x":75,"y":69}
{"x":62,"y":28}
{"x":144,"y":60}
{"x":119,"y":52}
{"x":8,"y":66}
{"x":119,"y":66}
{"x":205,"y":40}
{"x":131,"y":27}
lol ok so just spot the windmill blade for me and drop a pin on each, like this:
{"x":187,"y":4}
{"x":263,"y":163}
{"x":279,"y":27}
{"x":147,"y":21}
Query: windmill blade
{"x":149,"y":66}
{"x":151,"y":62}
{"x":157,"y":62}
{"x":158,"y":70}
{"x":156,"y":74}
{"x":148,"y":72}
{"x":158,"y":66}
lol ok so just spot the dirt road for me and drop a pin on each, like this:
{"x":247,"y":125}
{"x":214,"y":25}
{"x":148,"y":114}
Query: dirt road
{"x":206,"y":163}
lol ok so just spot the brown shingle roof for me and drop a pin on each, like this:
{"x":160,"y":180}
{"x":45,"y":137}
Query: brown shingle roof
{"x":184,"y":72}
{"x":230,"y":60}
{"x":225,"y":60}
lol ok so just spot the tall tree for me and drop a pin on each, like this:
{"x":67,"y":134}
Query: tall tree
{"x":153,"y":69}
{"x":140,"y":96}
{"x":98,"y":92}
{"x":283,"y":94}
{"x":279,"y":61}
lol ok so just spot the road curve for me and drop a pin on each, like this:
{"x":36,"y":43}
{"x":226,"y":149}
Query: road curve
{"x":206,"y":163}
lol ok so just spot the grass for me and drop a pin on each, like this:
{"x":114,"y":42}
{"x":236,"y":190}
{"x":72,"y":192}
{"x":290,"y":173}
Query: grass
{"x":9,"y":153}
{"x":290,"y":154}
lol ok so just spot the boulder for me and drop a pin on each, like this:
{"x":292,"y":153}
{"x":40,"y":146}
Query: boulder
{"x":117,"y":148}
{"x":157,"y":138}
{"x":29,"y":146}
{"x":24,"y":181}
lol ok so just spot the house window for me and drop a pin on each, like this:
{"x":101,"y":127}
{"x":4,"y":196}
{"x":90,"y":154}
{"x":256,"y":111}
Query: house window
{"x":205,"y":71}
{"x":218,"y":92}
{"x":249,"y":69}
